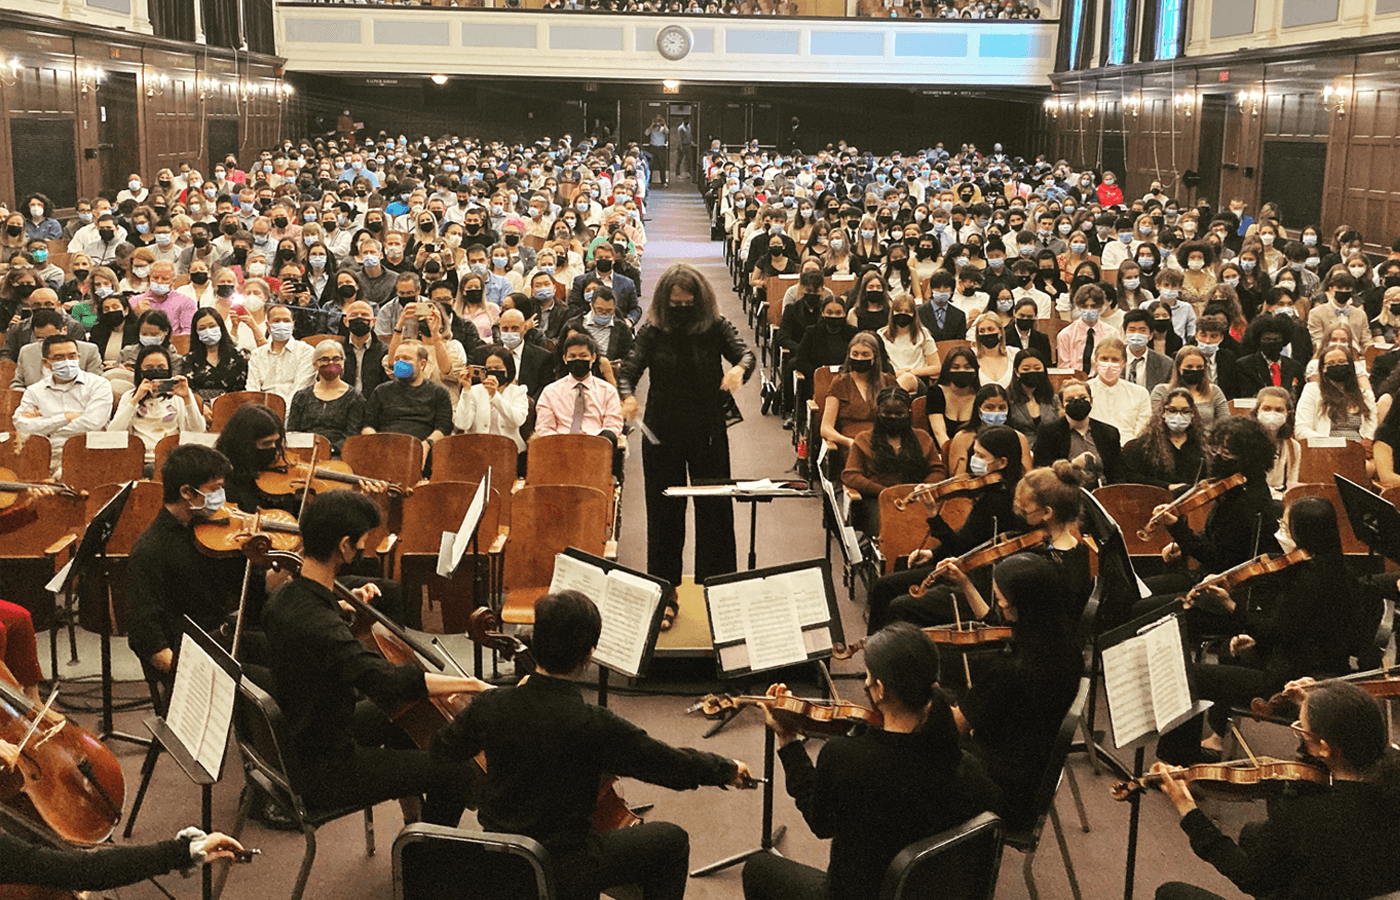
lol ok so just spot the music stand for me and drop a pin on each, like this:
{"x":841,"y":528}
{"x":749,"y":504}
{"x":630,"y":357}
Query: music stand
{"x":1374,"y":520}
{"x":92,"y":550}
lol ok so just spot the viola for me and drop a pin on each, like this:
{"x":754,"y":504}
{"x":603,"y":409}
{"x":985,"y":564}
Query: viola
{"x":65,"y":778}
{"x":958,"y":484}
{"x":611,"y":812}
{"x":1382,"y":683}
{"x":965,"y":634}
{"x":1243,"y":779}
{"x":10,"y":489}
{"x":997,"y":548}
{"x":1261,"y":565}
{"x":829,"y":717}
{"x":330,"y":475}
{"x":227,"y":533}
{"x":1202,"y":494}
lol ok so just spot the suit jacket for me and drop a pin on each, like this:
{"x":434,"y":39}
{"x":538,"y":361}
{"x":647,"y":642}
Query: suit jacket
{"x":535,"y":371}
{"x":1227,"y":374}
{"x":1052,"y":443}
{"x":29,"y":368}
{"x":954,"y":323}
{"x":624,"y":292}
{"x":619,"y":338}
{"x":374,"y":364}
{"x":1039,"y":340}
{"x":1254,"y":375}
{"x":1159,"y":368}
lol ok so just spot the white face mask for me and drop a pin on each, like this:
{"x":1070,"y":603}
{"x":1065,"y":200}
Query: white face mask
{"x":1178,"y":422}
{"x":1272,"y":419}
{"x":1285,"y":543}
{"x":977,"y":466}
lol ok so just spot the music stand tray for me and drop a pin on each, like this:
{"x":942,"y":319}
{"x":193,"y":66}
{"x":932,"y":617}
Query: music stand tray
{"x":1374,"y":520}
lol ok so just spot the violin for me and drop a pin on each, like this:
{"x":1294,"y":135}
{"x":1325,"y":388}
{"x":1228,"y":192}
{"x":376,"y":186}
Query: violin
{"x":1194,"y":499}
{"x":330,"y":475}
{"x":1382,"y":683}
{"x":65,"y":778}
{"x":829,"y":717}
{"x":10,"y":489}
{"x":1263,"y":564}
{"x":958,"y":484}
{"x":1241,"y":779}
{"x":226,"y":534}
{"x":611,"y":812}
{"x":997,"y":548}
{"x":964,"y":634}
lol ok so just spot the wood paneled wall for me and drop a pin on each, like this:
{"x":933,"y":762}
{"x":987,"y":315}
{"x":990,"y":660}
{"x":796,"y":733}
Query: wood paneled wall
{"x":172,"y":117}
{"x":1361,"y":185}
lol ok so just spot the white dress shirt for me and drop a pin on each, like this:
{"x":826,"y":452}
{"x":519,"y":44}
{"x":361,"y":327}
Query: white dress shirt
{"x":282,"y":372}
{"x":1124,"y":405}
{"x":88,"y":395}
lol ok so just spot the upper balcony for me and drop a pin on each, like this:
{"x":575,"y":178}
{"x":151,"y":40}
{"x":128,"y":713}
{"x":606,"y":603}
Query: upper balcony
{"x":402,"y":40}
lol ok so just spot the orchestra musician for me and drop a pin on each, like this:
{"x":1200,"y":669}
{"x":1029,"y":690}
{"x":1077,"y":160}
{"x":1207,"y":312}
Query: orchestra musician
{"x":1303,"y":621}
{"x":1011,"y":712}
{"x":1341,"y":842}
{"x":19,"y":650}
{"x":875,"y":793}
{"x":996,"y":449}
{"x":253,"y":440}
{"x":547,"y":751}
{"x":23,"y":863}
{"x":347,"y":754}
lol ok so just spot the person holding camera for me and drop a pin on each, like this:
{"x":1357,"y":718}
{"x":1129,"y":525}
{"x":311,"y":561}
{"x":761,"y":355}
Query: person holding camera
{"x":159,"y":405}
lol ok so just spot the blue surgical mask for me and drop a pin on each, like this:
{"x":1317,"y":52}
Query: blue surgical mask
{"x":65,"y":370}
{"x":511,"y":339}
{"x":403,"y":370}
{"x":280,"y":331}
{"x":1090,"y":317}
{"x":602,"y":321}
{"x":213,"y":501}
{"x":977,"y":465}
{"x":544,"y":293}
{"x":992,"y":418}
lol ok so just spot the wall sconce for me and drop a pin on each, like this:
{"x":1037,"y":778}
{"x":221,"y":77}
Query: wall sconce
{"x":1052,"y":108}
{"x":1088,"y":106}
{"x":1185,"y":102}
{"x":203,"y":86}
{"x":1251,"y":100}
{"x":88,"y":79}
{"x":9,"y":73}
{"x":1133,"y":105}
{"x":284,"y":92}
{"x":1334,"y":98}
{"x":156,"y":85}
{"x":246,"y":90}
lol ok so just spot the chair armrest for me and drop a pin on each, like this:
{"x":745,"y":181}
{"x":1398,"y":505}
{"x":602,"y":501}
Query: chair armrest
{"x":60,"y":550}
{"x":610,"y":550}
{"x":387,"y":545}
{"x":498,"y":546}
{"x":517,"y":486}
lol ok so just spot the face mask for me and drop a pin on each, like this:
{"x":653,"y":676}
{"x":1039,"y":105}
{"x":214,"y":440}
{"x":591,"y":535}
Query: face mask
{"x":1195,"y":265}
{"x":990,"y":341}
{"x":578,"y":368}
{"x":280,"y":331}
{"x":1247,"y":264}
{"x":160,"y":290}
{"x":1177,"y":422}
{"x":85,"y":217}
{"x":65,"y":370}
{"x":257,"y":270}
{"x":1272,"y":419}
{"x":1090,"y":317}
{"x":141,"y":271}
{"x":941,"y":297}
{"x":837,"y":243}
{"x":962,"y":379}
{"x":403,"y":370}
{"x":151,"y":340}
{"x":1065,"y":228}
{"x":604,"y":265}
{"x":105,"y":233}
{"x":993,"y":418}
{"x":213,"y":501}
{"x":209,"y":336}
{"x":370,"y":261}
{"x":511,"y":339}
{"x":359,"y":327}
{"x":1285,"y":543}
{"x":860,"y":366}
{"x":902,"y":320}
{"x":1309,"y":240}
{"x":1170,"y":293}
{"x":1231,"y":282}
{"x":1341,"y":373}
{"x":995,"y":263}
{"x":1193,"y":377}
{"x":1343,"y":297}
{"x":1079,"y":408}
{"x":977,"y":465}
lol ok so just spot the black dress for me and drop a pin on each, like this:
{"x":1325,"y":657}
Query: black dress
{"x":335,"y":420}
{"x":210,"y":382}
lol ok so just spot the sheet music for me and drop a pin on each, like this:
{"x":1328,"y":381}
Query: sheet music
{"x":726,"y":603}
{"x":772,"y":631}
{"x":449,"y":561}
{"x":628,"y":607}
{"x":201,"y":706}
{"x":808,"y":588}
{"x":1129,"y":688}
{"x":576,"y":575}
{"x":1166,"y":669}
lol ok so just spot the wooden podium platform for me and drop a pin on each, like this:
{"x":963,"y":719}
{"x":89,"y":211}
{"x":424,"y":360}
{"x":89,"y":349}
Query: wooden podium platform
{"x":690,"y":636}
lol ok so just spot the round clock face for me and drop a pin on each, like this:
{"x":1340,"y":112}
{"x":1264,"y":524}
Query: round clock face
{"x":673,"y":42}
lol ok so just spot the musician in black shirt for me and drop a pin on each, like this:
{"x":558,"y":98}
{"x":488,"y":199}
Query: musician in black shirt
{"x":1341,"y":842}
{"x":547,"y":751}
{"x":337,"y":753}
{"x":878,"y":792}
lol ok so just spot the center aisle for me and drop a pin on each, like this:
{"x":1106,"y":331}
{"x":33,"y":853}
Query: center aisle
{"x":678,"y":230}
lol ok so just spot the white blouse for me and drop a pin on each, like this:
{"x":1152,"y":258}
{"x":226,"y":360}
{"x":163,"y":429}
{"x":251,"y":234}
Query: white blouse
{"x":479,"y":413}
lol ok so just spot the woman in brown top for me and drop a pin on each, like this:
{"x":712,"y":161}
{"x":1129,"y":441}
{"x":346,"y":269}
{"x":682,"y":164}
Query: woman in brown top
{"x":851,"y":400}
{"x":891,"y":453}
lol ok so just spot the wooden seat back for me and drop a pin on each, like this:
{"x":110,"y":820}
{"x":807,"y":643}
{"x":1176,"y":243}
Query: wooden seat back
{"x":225,"y":405}
{"x":87,"y":468}
{"x":1320,"y":461}
{"x":1131,"y":506}
{"x":466,"y":457}
{"x":28,"y":457}
{"x":397,"y":458}
{"x":545,"y":520}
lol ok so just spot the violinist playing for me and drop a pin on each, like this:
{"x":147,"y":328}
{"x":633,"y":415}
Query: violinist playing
{"x":996,"y":449}
{"x":347,"y":754}
{"x":875,"y":793}
{"x":1342,"y":842}
{"x":253,"y":440}
{"x":1010,"y":714}
{"x":547,"y":751}
{"x":1240,"y":525}
{"x":1305,"y":620}
{"x":23,"y":863}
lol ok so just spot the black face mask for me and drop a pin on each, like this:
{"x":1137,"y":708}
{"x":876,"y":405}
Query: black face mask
{"x":472,"y":296}
{"x":860,"y":366}
{"x":511,"y":240}
{"x":1161,"y":325}
{"x":604,"y":265}
{"x":1272,"y":349}
{"x":1341,"y":373}
{"x":990,"y":341}
{"x":776,"y":250}
{"x":962,"y":379}
{"x":266,"y":459}
{"x":1392,"y":281}
{"x":1078,"y":409}
{"x":224,"y":290}
{"x":899,"y":262}
{"x":1193,"y":377}
{"x":1021,"y":280}
{"x":1223,"y":466}
{"x":81,"y":274}
{"x":22,"y":291}
{"x":106,"y":234}
{"x":359,"y":327}
{"x":902,"y":320}
{"x":229,"y":228}
{"x":199,"y":277}
{"x":14,"y":230}
{"x":346,"y":291}
{"x":240,"y":255}
{"x":924,"y":253}
{"x":113,"y":319}
{"x":1034,"y":380}
{"x":1343,"y":297}
{"x":280,"y":221}
{"x":374,"y":226}
{"x":833,"y":324}
{"x":200,"y":241}
{"x":1024,"y":323}
{"x":578,"y":368}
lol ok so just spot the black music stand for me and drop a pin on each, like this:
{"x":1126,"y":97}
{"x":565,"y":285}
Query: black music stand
{"x":1374,"y":520}
{"x":750,"y":492}
{"x":451,"y":557}
{"x":92,"y":552}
